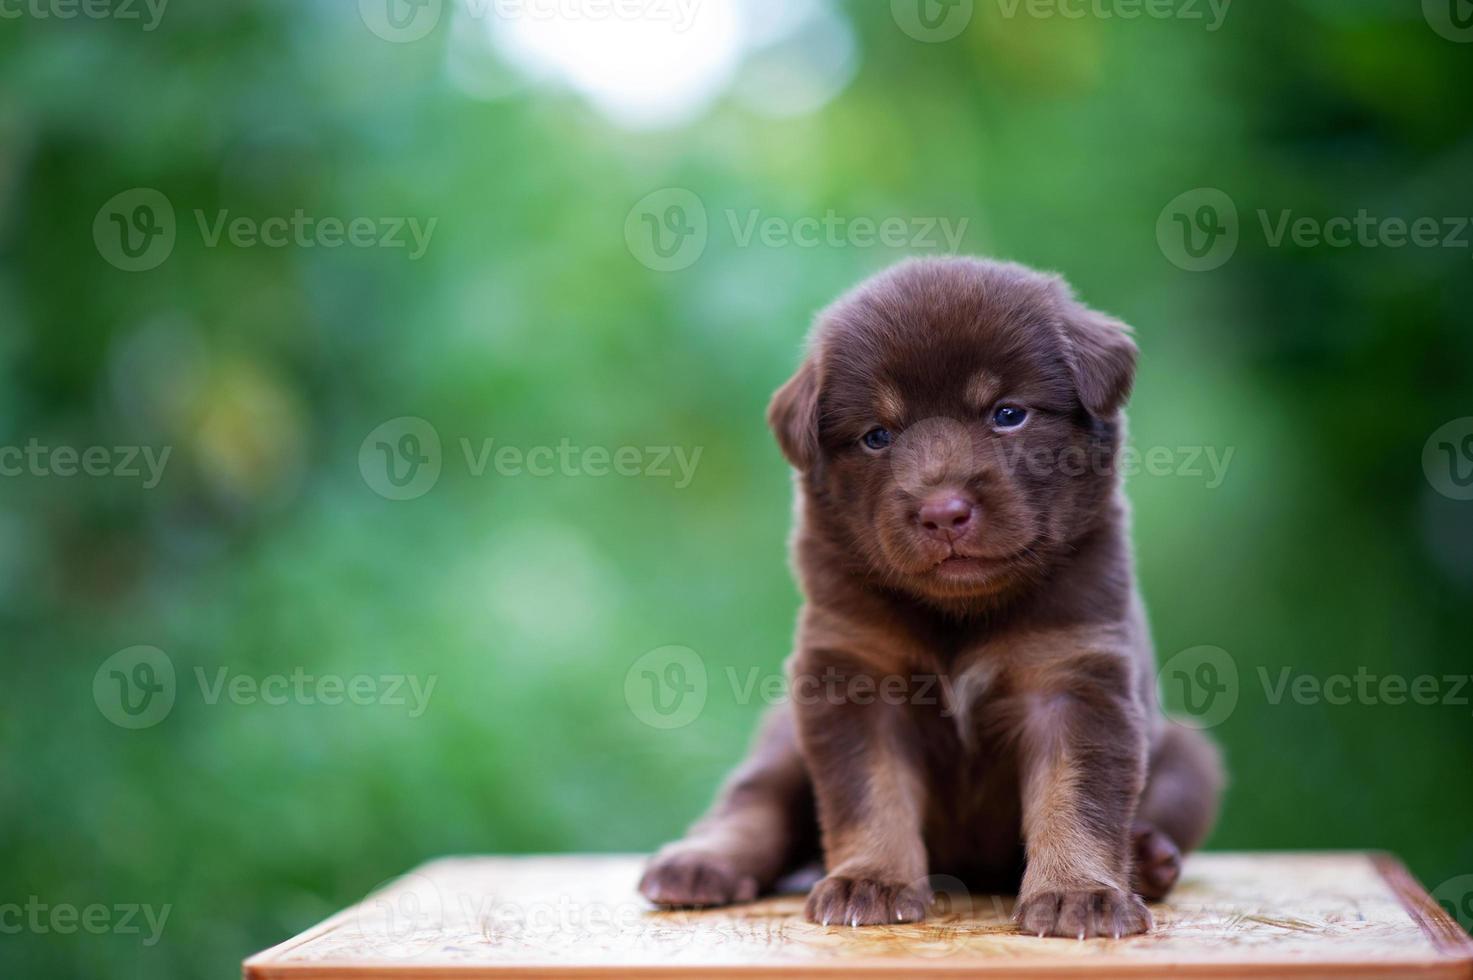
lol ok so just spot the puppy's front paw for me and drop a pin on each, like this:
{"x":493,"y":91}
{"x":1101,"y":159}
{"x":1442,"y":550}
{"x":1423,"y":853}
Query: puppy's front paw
{"x":695,"y":878}
{"x":1082,"y":914}
{"x":865,"y":902}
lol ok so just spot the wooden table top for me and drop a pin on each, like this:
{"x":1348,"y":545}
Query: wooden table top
{"x":1271,"y":914}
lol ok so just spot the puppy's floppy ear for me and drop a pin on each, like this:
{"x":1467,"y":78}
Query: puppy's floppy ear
{"x":1101,"y":357}
{"x":793,"y":416}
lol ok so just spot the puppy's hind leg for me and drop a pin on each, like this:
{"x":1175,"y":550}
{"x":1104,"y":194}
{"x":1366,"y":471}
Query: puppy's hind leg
{"x":761,"y":825}
{"x":1177,"y":808}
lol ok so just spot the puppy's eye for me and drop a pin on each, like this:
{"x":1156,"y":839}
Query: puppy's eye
{"x":1009,"y":416}
{"x":876,"y":439}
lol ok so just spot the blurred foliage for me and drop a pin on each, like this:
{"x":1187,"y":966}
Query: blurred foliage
{"x":528,"y":321}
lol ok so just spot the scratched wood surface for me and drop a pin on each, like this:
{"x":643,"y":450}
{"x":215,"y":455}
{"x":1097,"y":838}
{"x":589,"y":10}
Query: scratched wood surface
{"x":578,"y":916}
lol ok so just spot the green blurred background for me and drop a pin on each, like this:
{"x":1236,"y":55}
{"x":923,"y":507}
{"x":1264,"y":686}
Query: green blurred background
{"x":532,"y":318}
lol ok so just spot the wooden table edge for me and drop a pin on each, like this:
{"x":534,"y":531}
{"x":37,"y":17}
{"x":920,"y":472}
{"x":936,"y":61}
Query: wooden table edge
{"x":1439,"y":927}
{"x":1421,"y":969}
{"x":1455,"y":947}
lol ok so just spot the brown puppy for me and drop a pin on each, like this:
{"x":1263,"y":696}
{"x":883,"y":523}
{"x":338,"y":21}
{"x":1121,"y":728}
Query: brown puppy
{"x":972,"y":689}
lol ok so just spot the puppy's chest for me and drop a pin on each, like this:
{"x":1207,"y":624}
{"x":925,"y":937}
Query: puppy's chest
{"x":977,"y":682}
{"x":972,"y":706}
{"x":977,"y":696}
{"x":969,"y":753}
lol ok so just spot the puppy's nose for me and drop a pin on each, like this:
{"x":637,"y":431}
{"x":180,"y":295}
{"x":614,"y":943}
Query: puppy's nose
{"x":947,"y":517}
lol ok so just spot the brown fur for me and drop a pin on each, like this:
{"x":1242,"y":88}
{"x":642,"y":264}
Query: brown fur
{"x":976,"y":702}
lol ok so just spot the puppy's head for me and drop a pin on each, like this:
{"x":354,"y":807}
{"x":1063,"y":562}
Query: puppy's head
{"x":955,"y":423}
